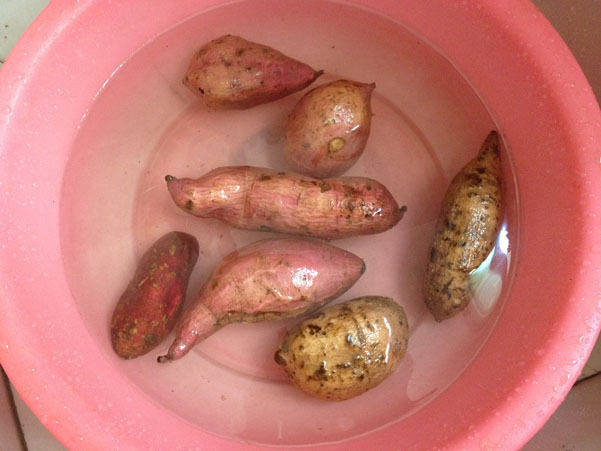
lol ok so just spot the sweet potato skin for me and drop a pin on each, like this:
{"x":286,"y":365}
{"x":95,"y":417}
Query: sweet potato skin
{"x":148,"y":309}
{"x":328,"y":129}
{"x":233,"y":73}
{"x":267,"y":280}
{"x":466,"y":231}
{"x":253,"y":198}
{"x":345,"y":349}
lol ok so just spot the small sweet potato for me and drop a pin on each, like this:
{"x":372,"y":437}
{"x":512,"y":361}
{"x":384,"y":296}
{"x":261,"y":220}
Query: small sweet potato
{"x":231,"y":72}
{"x":346,"y":349}
{"x":149,"y":307}
{"x":266,"y":280}
{"x":254,"y":198}
{"x":466,"y":231}
{"x":328,"y":129}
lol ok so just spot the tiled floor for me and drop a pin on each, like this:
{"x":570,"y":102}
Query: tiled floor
{"x":577,"y":423}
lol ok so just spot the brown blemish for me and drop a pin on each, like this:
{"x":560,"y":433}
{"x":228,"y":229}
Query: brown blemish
{"x":313,"y":329}
{"x":324,"y":187}
{"x":335,"y":145}
{"x":279,"y":359}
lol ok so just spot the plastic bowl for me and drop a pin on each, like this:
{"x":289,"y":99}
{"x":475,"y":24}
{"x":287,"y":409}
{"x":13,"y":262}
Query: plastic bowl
{"x":93,"y":115}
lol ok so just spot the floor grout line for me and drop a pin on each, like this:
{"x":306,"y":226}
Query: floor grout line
{"x":13,"y":408}
{"x":590,"y":376}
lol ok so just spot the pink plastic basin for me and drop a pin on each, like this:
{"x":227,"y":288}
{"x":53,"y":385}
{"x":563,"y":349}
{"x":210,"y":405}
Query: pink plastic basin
{"x":93,"y":115}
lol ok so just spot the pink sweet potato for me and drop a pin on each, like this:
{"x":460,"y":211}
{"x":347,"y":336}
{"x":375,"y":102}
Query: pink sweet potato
{"x":328,"y":129}
{"x":149,"y":307}
{"x":266,"y":280}
{"x":262,"y":199}
{"x":231,"y":72}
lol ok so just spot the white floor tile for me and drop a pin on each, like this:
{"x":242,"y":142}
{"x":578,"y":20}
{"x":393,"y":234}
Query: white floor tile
{"x":15,"y":17}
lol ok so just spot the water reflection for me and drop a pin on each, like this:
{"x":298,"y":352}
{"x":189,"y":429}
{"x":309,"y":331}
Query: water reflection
{"x":486,"y":281}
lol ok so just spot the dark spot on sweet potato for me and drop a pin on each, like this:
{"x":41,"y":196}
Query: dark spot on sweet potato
{"x":350,"y":190}
{"x":432,"y":254}
{"x":264,"y":228}
{"x":481,"y":170}
{"x":264,"y":177}
{"x":321,"y":372}
{"x":279,"y":359}
{"x":189,"y":205}
{"x":474,"y":179}
{"x":240,"y":52}
{"x":214,"y":284}
{"x":313,"y":328}
{"x":202,"y":91}
{"x":323,"y":186}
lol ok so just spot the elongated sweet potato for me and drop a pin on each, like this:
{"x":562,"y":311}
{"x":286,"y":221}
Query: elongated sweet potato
{"x":231,"y":72}
{"x":466,"y":231}
{"x":148,"y":309}
{"x":262,"y":199}
{"x":266,"y":280}
{"x":328,"y":129}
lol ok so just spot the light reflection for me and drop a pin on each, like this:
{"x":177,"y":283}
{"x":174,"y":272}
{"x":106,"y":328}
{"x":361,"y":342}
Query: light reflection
{"x":503,"y":240}
{"x":304,"y":277}
{"x":487,"y":283}
{"x":387,"y":324}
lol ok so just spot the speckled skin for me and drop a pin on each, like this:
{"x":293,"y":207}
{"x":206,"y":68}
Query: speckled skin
{"x":466,"y":231}
{"x":149,"y":307}
{"x":267,"y":280}
{"x":328,"y":129}
{"x":346,"y":349}
{"x":254,"y":198}
{"x":231,"y":72}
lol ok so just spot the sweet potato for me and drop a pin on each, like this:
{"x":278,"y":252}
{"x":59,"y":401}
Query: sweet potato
{"x":346,"y":349}
{"x":262,"y":199}
{"x":266,"y":280}
{"x":328,"y":129}
{"x":466,"y":231}
{"x":148,"y":309}
{"x":231,"y":72}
